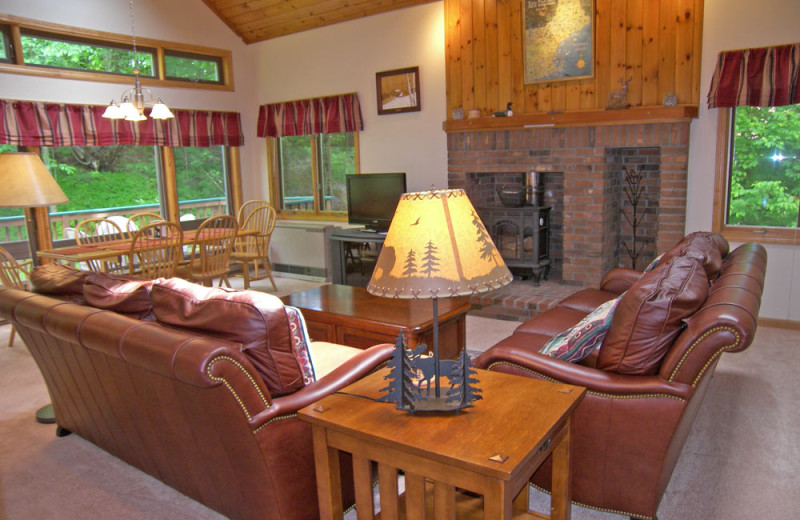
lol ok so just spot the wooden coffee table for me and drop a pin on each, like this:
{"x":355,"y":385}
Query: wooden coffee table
{"x":490,"y":450}
{"x":351,"y":316}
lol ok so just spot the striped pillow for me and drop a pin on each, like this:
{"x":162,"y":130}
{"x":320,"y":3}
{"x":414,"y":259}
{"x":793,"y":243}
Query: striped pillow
{"x":577,"y":342}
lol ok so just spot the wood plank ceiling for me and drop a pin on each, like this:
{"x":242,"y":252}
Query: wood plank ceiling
{"x":259,"y":20}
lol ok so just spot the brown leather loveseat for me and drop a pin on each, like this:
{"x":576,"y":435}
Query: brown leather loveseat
{"x":646,"y":381}
{"x":201,"y":392}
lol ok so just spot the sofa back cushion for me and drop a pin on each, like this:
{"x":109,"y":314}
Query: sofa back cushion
{"x":702,"y":246}
{"x":256,"y":320}
{"x":58,"y":281}
{"x":126,"y":295}
{"x":650,"y":315}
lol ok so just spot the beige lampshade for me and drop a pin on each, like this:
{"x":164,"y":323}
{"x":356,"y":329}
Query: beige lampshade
{"x":437,"y":247}
{"x":26,"y":183}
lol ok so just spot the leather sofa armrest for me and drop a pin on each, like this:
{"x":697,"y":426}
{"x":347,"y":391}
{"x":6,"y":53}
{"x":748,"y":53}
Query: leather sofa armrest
{"x":349,"y":372}
{"x":520,"y":361}
{"x":619,"y":280}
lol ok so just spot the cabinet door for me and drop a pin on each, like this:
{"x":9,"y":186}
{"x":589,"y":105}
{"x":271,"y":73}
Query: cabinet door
{"x":319,"y":331}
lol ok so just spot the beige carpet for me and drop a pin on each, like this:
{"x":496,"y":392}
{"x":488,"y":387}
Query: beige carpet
{"x":740,"y":461}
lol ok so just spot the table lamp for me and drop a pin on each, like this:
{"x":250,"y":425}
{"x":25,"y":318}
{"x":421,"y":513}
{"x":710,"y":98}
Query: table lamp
{"x":436,"y":247}
{"x":26,"y":183}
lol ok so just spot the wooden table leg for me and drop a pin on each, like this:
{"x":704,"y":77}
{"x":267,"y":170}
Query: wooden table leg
{"x":329,"y":480}
{"x":362,"y":478}
{"x":560,"y":498}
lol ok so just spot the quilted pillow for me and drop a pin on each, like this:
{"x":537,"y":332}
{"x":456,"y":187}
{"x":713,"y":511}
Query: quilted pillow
{"x":576,"y":343}
{"x":300,"y":343}
{"x":650,"y":315}
{"x":653,"y":264}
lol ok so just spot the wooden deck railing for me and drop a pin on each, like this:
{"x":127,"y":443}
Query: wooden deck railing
{"x":13,"y":228}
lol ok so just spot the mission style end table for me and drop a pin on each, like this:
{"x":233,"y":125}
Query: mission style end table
{"x":490,"y":449}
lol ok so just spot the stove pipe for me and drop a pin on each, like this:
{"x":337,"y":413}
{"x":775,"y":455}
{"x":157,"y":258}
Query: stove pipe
{"x":534,"y":189}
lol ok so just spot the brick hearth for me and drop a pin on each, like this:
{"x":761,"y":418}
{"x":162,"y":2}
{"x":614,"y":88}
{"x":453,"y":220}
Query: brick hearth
{"x":582,"y":168}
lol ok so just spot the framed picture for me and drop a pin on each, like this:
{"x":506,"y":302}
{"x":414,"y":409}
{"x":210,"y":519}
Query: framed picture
{"x":558,"y":40}
{"x":398,"y":91}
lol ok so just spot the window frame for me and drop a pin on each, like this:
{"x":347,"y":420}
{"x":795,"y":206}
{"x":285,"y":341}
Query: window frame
{"x":273,"y":167}
{"x":762,"y":234}
{"x":14,"y":26}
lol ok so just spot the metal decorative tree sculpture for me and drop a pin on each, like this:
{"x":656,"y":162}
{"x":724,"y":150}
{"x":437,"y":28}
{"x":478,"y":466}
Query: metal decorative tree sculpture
{"x":633,"y":191}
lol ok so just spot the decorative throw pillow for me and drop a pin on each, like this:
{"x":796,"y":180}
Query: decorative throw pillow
{"x":576,"y":343}
{"x":300,"y":342}
{"x":652,"y":265}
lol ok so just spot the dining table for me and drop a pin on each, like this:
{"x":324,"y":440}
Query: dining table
{"x":79,"y":253}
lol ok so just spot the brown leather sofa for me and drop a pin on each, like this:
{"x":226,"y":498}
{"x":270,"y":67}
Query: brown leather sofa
{"x":183,"y":392}
{"x":646,"y":381}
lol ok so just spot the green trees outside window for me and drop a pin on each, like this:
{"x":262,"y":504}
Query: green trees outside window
{"x":312,"y":169}
{"x":765,"y":167}
{"x":192,"y":67}
{"x":201,"y":179}
{"x":55,"y":52}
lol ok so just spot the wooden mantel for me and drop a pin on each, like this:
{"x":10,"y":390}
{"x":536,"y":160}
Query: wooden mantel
{"x":629,"y":116}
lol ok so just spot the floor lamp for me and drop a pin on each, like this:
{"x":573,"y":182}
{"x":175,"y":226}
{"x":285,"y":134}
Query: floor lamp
{"x":26,"y":183}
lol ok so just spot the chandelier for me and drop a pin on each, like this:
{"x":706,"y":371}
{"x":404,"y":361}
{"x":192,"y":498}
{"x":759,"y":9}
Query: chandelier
{"x":134,"y":100}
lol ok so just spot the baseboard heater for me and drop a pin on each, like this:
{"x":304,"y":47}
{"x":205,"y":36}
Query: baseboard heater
{"x":317,"y":273}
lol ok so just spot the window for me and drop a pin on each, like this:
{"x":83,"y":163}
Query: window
{"x":758,"y":174}
{"x":58,"y":51}
{"x":184,"y":66}
{"x":308,"y":172}
{"x":200,"y":175}
{"x":5,"y":45}
{"x":99,"y":56}
{"x":101,"y":181}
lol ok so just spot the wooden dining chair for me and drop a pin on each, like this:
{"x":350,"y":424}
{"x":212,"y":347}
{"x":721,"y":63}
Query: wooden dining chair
{"x":139,"y":220}
{"x":98,"y":231}
{"x":156,"y":250}
{"x":254,"y":249}
{"x":246,"y":208}
{"x":13,"y":275}
{"x":211,"y":251}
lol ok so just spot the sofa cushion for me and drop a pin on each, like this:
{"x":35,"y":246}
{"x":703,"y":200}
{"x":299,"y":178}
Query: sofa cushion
{"x":576,"y":343}
{"x":587,"y":300}
{"x":650,"y":315}
{"x":126,"y":295}
{"x":59,"y":281}
{"x":256,"y":320}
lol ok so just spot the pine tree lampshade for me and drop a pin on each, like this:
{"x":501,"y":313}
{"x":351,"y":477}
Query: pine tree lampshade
{"x":436,"y":247}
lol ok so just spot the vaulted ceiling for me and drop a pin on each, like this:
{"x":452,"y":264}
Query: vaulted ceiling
{"x":259,"y":20}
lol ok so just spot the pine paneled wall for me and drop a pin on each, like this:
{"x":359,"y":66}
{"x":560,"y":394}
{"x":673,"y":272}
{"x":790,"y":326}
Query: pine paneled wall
{"x":655,"y":42}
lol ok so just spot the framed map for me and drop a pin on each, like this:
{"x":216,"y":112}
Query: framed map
{"x":558,"y":40}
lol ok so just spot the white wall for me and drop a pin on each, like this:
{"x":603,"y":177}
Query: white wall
{"x":344,"y":58}
{"x":182,"y":21}
{"x":730,"y":25}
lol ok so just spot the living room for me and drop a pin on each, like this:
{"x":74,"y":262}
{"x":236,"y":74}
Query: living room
{"x":345,"y":57}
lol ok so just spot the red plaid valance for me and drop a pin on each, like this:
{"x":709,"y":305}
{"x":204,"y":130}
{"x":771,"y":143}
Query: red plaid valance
{"x":325,"y":115}
{"x":28,"y":123}
{"x":763,"y":77}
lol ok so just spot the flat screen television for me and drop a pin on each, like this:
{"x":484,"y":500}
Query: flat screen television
{"x":372,"y":199}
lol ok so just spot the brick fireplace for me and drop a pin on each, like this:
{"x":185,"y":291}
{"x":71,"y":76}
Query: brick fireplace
{"x":584,"y":183}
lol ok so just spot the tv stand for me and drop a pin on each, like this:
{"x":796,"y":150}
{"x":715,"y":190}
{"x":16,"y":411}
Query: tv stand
{"x":354,"y":252}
